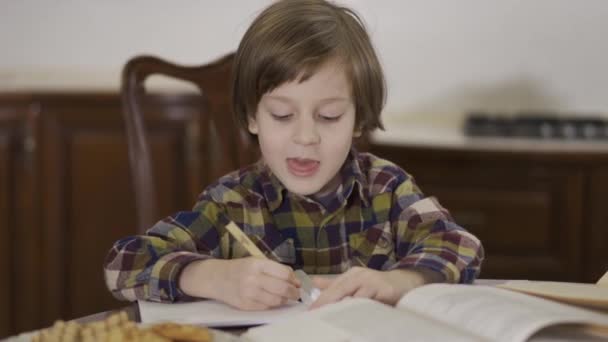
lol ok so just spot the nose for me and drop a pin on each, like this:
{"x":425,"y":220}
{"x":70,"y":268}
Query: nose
{"x":305,"y":132}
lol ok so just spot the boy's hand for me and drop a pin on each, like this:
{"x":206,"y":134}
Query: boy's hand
{"x":384,"y":286}
{"x":245,"y":283}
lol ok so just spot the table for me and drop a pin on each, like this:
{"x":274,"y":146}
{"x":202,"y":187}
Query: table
{"x":551,"y":334}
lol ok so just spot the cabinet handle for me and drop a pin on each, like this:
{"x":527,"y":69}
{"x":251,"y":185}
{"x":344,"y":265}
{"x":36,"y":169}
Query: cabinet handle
{"x":29,"y":132}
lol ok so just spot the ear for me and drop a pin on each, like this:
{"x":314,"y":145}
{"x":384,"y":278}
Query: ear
{"x":357,"y":133}
{"x":252,"y":124}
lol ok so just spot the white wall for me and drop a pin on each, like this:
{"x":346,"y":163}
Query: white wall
{"x":441,"y":57}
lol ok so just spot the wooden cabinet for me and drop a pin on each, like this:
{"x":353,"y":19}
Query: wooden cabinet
{"x":6,"y":286}
{"x":19,"y":246}
{"x":595,"y":228}
{"x":66,"y":197}
{"x":9,"y":137}
{"x":539,"y":214}
{"x":86,"y":194}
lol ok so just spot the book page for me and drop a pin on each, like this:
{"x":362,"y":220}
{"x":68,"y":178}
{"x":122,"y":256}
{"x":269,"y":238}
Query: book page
{"x":591,"y":295}
{"x":603,"y":282}
{"x":358,"y":319}
{"x":212,"y":313}
{"x":494,"y":313}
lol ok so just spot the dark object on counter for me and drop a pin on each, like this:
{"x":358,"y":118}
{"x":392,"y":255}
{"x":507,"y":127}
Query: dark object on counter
{"x":540,"y":126}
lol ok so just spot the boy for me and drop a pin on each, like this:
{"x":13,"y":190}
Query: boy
{"x":306,"y":83}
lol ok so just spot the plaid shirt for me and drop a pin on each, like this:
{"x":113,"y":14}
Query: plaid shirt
{"x":377,"y":218}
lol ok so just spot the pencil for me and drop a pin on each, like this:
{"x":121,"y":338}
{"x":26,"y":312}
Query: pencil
{"x":238,"y":234}
{"x":249,"y":246}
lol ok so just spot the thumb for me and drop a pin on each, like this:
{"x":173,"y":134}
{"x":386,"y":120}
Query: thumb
{"x":322,"y":282}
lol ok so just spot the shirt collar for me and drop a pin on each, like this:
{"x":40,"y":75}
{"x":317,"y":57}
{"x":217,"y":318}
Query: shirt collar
{"x":271,"y":186}
{"x":352,"y":175}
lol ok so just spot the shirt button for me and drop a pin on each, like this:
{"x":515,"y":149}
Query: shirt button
{"x":383,"y":242}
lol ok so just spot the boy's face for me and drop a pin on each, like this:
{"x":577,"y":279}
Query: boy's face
{"x":305,"y":130}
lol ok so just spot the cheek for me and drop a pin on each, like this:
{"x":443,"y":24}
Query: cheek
{"x":342,"y":134}
{"x":271,"y":141}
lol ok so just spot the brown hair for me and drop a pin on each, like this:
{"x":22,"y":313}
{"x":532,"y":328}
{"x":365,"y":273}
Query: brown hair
{"x":293,"y":38}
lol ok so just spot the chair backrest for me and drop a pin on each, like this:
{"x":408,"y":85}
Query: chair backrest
{"x":229,"y":149}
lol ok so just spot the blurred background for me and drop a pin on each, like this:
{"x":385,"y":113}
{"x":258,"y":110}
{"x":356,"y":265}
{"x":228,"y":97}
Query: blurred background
{"x":440,"y":59}
{"x":497,"y":108}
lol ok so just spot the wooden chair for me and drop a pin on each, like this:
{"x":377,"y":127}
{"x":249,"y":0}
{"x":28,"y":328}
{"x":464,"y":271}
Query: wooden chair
{"x":223,"y":146}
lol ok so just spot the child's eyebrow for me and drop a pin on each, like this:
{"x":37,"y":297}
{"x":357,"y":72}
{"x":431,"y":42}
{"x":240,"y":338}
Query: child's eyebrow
{"x":334,"y":99}
{"x":326,"y":100}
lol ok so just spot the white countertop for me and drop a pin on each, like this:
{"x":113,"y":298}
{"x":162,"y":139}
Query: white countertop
{"x":452,"y":137}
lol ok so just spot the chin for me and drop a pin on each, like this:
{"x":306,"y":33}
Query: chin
{"x":303,"y":189}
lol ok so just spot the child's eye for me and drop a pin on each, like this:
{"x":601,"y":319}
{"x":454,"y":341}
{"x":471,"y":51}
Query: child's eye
{"x":330,"y":118}
{"x":281,"y":117}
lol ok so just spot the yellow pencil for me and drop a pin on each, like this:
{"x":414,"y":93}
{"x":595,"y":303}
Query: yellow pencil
{"x":238,"y":234}
{"x":305,"y":291}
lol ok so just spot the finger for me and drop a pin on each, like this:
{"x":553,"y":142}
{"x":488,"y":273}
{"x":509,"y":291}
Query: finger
{"x":327,"y":287}
{"x":352,"y":275}
{"x":335,"y":293}
{"x":246,"y":304}
{"x":252,"y":289}
{"x":365,"y":292}
{"x":268,"y":300}
{"x":322,"y":282}
{"x":254,"y":305}
{"x":344,"y":285}
{"x":280,"y":271}
{"x":280,"y":287}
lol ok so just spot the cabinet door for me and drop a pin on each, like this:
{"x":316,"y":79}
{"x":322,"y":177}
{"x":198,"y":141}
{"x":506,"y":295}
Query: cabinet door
{"x":87,"y":197}
{"x":530,"y":228}
{"x":19,"y":243}
{"x":7,"y":225}
{"x":527,"y":214}
{"x":596,"y":231}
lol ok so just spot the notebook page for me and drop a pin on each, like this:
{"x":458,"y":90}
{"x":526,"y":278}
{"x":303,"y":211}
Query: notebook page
{"x":213,"y":313}
{"x":357,"y":320}
{"x":497,"y":314}
{"x":603,"y":280}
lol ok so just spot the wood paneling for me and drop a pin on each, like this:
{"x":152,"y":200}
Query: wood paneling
{"x":66,"y":196}
{"x":596,"y":228}
{"x":528,"y":214}
{"x":7,"y":225}
{"x":19,"y":248}
{"x":88,"y":197}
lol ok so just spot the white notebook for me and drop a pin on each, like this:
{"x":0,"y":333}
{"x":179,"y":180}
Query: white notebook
{"x":212,"y":313}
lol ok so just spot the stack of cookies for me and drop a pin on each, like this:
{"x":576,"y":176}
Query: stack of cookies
{"x":117,"y":327}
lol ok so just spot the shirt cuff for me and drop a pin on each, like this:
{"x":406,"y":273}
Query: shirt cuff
{"x":450,"y":272}
{"x":164,"y":280}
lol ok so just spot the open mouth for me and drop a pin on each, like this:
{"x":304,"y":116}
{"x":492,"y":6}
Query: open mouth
{"x":302,"y":167}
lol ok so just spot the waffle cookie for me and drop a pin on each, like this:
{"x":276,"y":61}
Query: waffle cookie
{"x":117,"y":327}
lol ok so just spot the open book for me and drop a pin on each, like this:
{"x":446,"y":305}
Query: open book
{"x":436,"y":312}
{"x":586,"y":295}
{"x":594,"y":296}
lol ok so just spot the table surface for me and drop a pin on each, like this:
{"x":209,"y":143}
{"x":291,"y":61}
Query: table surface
{"x":553,"y":334}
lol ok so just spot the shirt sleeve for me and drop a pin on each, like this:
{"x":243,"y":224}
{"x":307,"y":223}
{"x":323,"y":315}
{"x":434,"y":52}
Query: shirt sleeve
{"x":147,"y":267}
{"x":426,"y":236}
